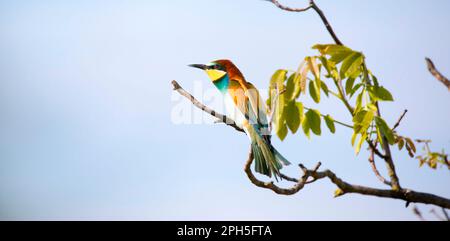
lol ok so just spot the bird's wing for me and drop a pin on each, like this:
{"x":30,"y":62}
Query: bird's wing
{"x":256,"y":104}
{"x":247,"y":99}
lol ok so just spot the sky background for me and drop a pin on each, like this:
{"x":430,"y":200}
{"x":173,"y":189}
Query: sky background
{"x":86,"y":107}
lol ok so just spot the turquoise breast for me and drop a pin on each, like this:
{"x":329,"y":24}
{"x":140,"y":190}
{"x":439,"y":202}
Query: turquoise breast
{"x":222,"y":83}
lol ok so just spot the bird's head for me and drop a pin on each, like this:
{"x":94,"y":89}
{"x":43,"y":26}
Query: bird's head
{"x":218,"y":69}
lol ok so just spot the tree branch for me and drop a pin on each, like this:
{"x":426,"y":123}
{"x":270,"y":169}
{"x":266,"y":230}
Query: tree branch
{"x":335,"y":121}
{"x":445,"y":214}
{"x":399,"y":120}
{"x":395,"y":182}
{"x":313,"y":174}
{"x":198,"y":104}
{"x":270,"y":185}
{"x":437,"y":74}
{"x":312,"y":5}
{"x":374,"y":166}
{"x":375,"y":149}
{"x":325,"y":22}
{"x":418,"y":213}
{"x":289,"y":9}
{"x":403,"y":194}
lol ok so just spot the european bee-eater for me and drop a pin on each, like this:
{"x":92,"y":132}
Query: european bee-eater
{"x":245,"y":106}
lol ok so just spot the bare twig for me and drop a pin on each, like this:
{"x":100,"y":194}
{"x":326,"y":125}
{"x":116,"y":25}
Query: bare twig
{"x":418,"y":213}
{"x":198,"y":104}
{"x":374,"y":166}
{"x":325,"y":22}
{"x":437,"y":215}
{"x":312,"y":5}
{"x":445,"y":214}
{"x":399,"y":120}
{"x":395,"y":182}
{"x":437,"y":74}
{"x":375,"y":149}
{"x":335,"y":121}
{"x":279,"y":5}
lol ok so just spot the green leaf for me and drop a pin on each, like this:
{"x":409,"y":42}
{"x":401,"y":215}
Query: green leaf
{"x":385,"y":130}
{"x":355,"y":88}
{"x":327,"y":65}
{"x":282,"y":132}
{"x":375,"y":80}
{"x":336,"y":52}
{"x":358,"y":105}
{"x":300,"y":110}
{"x":330,"y":123}
{"x":315,"y":70}
{"x":380,"y":93}
{"x":305,"y":126}
{"x":410,"y":143}
{"x":313,"y":66}
{"x":300,"y":80}
{"x":354,"y":135}
{"x":292,"y":116}
{"x":313,"y":117}
{"x":372,"y":107}
{"x":314,"y":91}
{"x":324,"y":88}
{"x":278,"y":77}
{"x":349,"y":85}
{"x":290,"y":86}
{"x":401,"y":143}
{"x":379,"y":135}
{"x":360,"y":142}
{"x":280,"y":116}
{"x":276,"y":85}
{"x":351,"y":67}
{"x":410,"y":152}
{"x":362,"y":121}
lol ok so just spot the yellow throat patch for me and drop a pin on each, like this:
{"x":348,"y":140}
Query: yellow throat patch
{"x":215,"y":74}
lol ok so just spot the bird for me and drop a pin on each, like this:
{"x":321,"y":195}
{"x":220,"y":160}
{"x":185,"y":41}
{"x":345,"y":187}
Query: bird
{"x":245,"y":107}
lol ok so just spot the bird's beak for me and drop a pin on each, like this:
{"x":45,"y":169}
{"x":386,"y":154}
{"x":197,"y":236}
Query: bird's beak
{"x":198,"y":66}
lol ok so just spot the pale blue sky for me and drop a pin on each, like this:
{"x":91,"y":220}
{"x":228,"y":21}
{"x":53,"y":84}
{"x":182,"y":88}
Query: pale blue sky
{"x":85,"y":103}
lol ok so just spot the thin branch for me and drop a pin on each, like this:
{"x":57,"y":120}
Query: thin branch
{"x":437,"y":74}
{"x":312,"y":5}
{"x":375,"y":149}
{"x":289,"y":9}
{"x":343,"y":98}
{"x":198,"y":104}
{"x":445,"y":214}
{"x":399,"y":120}
{"x":403,"y":194}
{"x":326,"y":23}
{"x":432,"y":211}
{"x":374,"y":166}
{"x":270,"y":185}
{"x":395,"y":182}
{"x":418,"y":213}
{"x":335,"y":121}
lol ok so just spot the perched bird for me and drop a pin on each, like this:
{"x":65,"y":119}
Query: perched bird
{"x":245,"y":106}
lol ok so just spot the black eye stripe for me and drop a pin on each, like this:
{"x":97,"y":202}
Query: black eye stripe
{"x":216,"y":66}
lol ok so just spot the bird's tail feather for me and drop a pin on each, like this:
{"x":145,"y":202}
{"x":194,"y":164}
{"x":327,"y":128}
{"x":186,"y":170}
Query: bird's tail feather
{"x":268,"y":161}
